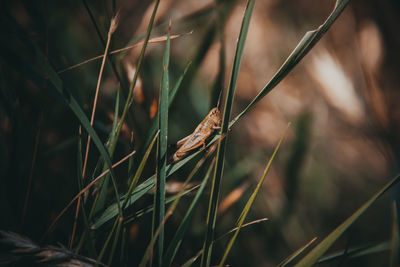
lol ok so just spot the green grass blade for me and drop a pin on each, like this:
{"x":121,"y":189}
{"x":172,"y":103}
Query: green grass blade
{"x":159,"y":199}
{"x":79,"y":164}
{"x":313,"y":256}
{"x":139,"y":170}
{"x":192,"y":259}
{"x":100,"y":198}
{"x":46,"y":68}
{"x":154,"y":123}
{"x":180,"y":232}
{"x":357,"y":252}
{"x":243,"y":226}
{"x":136,"y":75}
{"x":174,"y":90}
{"x":212,"y":212}
{"x":128,"y":219}
{"x":251,"y":200}
{"x":136,"y":178}
{"x":139,"y":191}
{"x":111,"y":211}
{"x":302,"y":48}
{"x":295,"y":254}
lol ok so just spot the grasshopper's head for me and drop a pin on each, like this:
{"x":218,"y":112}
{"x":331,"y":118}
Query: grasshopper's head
{"x":215,"y":116}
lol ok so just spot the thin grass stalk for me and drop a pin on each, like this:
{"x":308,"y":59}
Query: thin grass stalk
{"x":141,"y":190}
{"x":295,"y":254}
{"x":134,"y":80}
{"x":212,"y":211}
{"x":177,"y":239}
{"x":139,"y":171}
{"x":120,"y":219}
{"x":358,"y":251}
{"x":159,"y":202}
{"x":168,"y":214}
{"x":30,"y":178}
{"x":200,"y":252}
{"x":236,"y":228}
{"x":108,"y":239}
{"x":113,"y":27}
{"x":116,"y":51}
{"x":115,"y":242}
{"x":92,"y":183}
{"x":121,"y":80}
{"x":251,"y":200}
{"x":116,"y":132}
{"x":79,"y":164}
{"x":154,"y":123}
{"x":42,"y":66}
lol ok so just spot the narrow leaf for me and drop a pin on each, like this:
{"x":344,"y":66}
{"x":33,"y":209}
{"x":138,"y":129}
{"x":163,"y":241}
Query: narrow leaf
{"x":303,"y":47}
{"x":180,"y":232}
{"x":212,"y":211}
{"x":154,"y":123}
{"x":139,"y":191}
{"x":313,"y":256}
{"x":159,"y":199}
{"x":251,"y":200}
{"x":295,"y":254}
{"x":357,"y":252}
{"x":74,"y":106}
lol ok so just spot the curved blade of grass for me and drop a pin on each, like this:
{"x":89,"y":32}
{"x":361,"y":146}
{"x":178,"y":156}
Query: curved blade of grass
{"x":193,"y":259}
{"x":302,"y":48}
{"x":243,"y":226}
{"x":139,"y":191}
{"x":212,"y":211}
{"x":295,"y":254}
{"x":118,"y":219}
{"x":180,"y":232}
{"x":153,"y":40}
{"x":251,"y":200}
{"x":143,"y":188}
{"x":157,"y":232}
{"x":129,"y":219}
{"x":159,"y":197}
{"x":100,"y":198}
{"x":139,"y":170}
{"x":313,"y":256}
{"x":357,"y":252}
{"x":77,"y":110}
{"x":111,"y":211}
{"x":79,"y":164}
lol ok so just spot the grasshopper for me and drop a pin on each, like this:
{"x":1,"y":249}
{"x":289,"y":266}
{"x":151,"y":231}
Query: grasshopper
{"x":198,"y":138}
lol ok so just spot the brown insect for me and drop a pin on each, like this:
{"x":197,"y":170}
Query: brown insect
{"x":210,"y":123}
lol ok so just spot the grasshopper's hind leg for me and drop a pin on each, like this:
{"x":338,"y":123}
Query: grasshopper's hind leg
{"x":182,"y":141}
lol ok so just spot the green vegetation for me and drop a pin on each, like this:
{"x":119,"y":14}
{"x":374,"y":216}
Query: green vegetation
{"x":123,"y":212}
